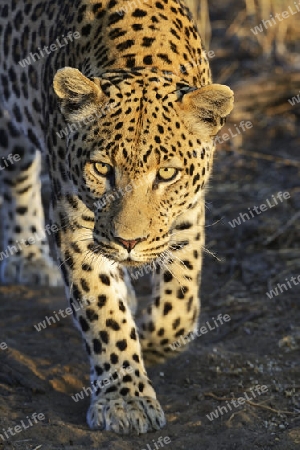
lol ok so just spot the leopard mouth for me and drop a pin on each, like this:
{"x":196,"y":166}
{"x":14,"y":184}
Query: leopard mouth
{"x":133,"y":258}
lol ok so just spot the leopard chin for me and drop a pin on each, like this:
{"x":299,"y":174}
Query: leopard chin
{"x":131,"y":262}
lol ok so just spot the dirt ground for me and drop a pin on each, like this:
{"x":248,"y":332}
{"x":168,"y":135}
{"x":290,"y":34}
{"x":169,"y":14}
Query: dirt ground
{"x":259,"y":346}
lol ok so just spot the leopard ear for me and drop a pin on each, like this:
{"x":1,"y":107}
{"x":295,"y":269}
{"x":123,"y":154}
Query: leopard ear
{"x":205,"y":109}
{"x":79,"y":96}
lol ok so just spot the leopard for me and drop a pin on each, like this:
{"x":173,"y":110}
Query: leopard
{"x":114,"y":99}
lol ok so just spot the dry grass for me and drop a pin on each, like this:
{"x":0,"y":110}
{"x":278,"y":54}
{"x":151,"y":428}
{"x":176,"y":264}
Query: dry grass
{"x":200,"y":10}
{"x":274,"y":38}
{"x":276,"y":35}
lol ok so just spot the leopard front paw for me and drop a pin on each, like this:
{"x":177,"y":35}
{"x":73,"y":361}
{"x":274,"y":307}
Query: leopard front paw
{"x":129,"y":415}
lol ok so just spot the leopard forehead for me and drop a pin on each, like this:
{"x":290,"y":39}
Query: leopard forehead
{"x":133,"y":126}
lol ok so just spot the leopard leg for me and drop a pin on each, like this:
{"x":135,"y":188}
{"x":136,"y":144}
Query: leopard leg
{"x":123,"y":399}
{"x":25,"y":254}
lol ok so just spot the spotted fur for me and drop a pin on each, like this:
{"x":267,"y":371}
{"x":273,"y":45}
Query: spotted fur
{"x":135,"y":97}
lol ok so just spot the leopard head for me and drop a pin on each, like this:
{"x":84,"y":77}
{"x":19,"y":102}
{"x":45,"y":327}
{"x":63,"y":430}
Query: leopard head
{"x":142,"y":156}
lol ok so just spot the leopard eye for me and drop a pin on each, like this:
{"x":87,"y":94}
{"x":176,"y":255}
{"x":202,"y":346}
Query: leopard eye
{"x":167,"y":174}
{"x":102,"y":169}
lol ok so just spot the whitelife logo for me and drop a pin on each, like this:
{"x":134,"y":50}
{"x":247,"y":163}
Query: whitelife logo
{"x":24,"y":424}
{"x":273,"y":20}
{"x":294,"y":100}
{"x":77,"y":306}
{"x":3,"y":346}
{"x":48,"y":49}
{"x":238,"y":129}
{"x":131,"y":5}
{"x":161,"y":261}
{"x":97,"y":385}
{"x":274,"y":292}
{"x":9,"y":161}
{"x":183,"y":340}
{"x":240,"y":401}
{"x":75,"y":126}
{"x":159,"y":443}
{"x":256,"y":210}
{"x":13,"y":249}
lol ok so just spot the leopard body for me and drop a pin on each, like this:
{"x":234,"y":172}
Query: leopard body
{"x":118,"y":95}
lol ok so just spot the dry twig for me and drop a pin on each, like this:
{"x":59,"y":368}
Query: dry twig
{"x":276,"y":159}
{"x":282,"y":228}
{"x":250,"y":402}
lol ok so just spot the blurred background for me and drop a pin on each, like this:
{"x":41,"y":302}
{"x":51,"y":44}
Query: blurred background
{"x":257,"y":53}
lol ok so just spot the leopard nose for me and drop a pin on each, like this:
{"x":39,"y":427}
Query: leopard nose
{"x":129,"y":244}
